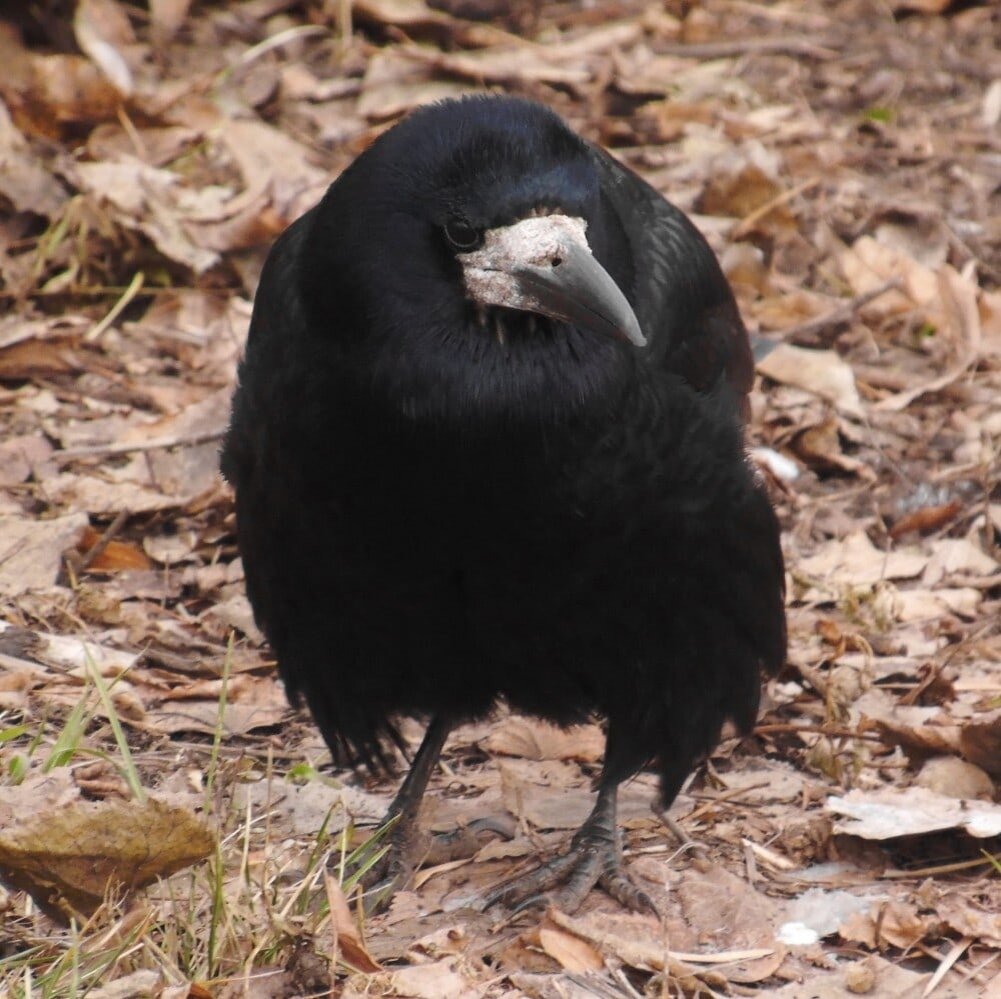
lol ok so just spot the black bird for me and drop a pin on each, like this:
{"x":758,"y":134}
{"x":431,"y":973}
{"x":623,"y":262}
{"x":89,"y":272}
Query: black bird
{"x":488,"y":444}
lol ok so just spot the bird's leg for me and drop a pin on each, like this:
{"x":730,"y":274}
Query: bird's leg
{"x":407,"y":846}
{"x":594,"y":858}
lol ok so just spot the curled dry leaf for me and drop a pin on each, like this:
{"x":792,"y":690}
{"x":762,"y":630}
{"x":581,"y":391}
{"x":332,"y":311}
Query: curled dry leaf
{"x":38,"y":358}
{"x":571,"y":951}
{"x":44,"y":92}
{"x":407,"y":14}
{"x":102,"y":29}
{"x":963,"y":918}
{"x":822,"y":372}
{"x":916,"y":737}
{"x":820,"y":447}
{"x":895,"y":923}
{"x":252,"y":703}
{"x":74,"y":656}
{"x":348,"y":946}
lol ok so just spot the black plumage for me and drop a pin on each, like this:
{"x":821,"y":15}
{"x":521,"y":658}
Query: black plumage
{"x":457,"y":480}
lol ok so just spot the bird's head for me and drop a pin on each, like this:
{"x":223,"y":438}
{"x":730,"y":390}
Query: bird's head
{"x":468,"y":257}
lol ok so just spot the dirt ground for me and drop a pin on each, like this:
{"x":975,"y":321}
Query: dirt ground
{"x":169,"y":827}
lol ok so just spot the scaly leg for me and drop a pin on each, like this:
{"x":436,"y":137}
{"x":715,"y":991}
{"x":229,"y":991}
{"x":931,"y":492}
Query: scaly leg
{"x":407,"y":845}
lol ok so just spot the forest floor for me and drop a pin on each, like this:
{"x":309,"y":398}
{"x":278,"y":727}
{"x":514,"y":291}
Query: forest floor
{"x":844,"y":160}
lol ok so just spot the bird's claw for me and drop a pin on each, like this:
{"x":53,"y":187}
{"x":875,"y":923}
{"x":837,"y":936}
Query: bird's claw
{"x":621,"y":887}
{"x":589,"y":863}
{"x":539,"y":899}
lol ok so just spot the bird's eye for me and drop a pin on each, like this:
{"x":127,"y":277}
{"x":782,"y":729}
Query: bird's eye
{"x":463,"y":236}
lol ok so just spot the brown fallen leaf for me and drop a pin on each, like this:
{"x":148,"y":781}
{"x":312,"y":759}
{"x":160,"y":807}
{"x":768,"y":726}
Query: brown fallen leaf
{"x":348,"y":946}
{"x":571,"y":951}
{"x":875,"y":978}
{"x":957,"y":556}
{"x":67,"y":852}
{"x":394,"y":84}
{"x":945,"y":299}
{"x":889,"y":813}
{"x":926,"y":518}
{"x":170,"y":718}
{"x":31,"y":551}
{"x":167,"y":16}
{"x":646,"y":951}
{"x":151,"y":200}
{"x":895,"y":923}
{"x":969,"y":921}
{"x":918,"y":739}
{"x":116,"y":556}
{"x":922,"y":6}
{"x":855,"y":561}
{"x":742,"y":181}
{"x":980,"y":743}
{"x":24,"y":180}
{"x":451,"y":939}
{"x":930,"y":605}
{"x":38,"y":358}
{"x":450,"y":978}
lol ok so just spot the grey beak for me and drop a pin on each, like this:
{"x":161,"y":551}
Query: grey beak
{"x":545,"y":265}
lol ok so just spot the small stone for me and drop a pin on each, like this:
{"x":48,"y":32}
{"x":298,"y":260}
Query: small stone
{"x":955,"y":778}
{"x":860,"y":977}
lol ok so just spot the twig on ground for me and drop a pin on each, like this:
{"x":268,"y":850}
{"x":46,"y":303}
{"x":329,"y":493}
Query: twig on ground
{"x":130,"y":447}
{"x":82,"y":562}
{"x":749,"y":46}
{"x":842,"y":313}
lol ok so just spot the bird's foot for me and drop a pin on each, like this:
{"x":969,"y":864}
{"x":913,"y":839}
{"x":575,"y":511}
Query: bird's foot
{"x":402,"y":856}
{"x":411,"y":849}
{"x":594,"y":860}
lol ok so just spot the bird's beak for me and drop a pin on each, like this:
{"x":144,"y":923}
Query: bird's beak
{"x":544,"y":264}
